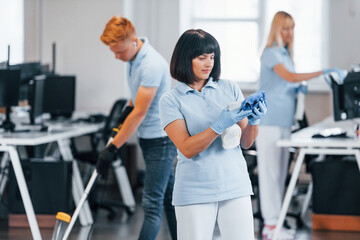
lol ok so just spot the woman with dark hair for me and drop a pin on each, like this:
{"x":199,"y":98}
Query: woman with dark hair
{"x":211,"y":183}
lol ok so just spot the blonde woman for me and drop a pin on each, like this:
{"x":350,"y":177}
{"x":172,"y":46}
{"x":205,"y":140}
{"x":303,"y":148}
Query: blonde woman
{"x":281,"y":84}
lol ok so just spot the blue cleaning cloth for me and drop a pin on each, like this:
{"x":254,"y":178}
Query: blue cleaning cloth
{"x":336,"y":74}
{"x":253,"y":100}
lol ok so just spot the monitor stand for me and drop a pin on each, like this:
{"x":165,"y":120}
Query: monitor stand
{"x":7,"y":124}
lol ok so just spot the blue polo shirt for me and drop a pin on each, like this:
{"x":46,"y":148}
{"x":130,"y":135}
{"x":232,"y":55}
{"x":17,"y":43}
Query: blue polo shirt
{"x":215,"y":174}
{"x":149,"y":69}
{"x":280,"y":94}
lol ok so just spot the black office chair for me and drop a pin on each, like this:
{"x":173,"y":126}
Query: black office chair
{"x":97,"y":143}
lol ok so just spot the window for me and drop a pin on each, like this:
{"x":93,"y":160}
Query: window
{"x":241,"y":28}
{"x":12,"y":30}
{"x":235,"y":24}
{"x":309,"y":34}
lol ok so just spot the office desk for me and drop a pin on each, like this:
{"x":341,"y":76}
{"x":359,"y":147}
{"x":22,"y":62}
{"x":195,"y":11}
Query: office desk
{"x":60,"y":134}
{"x":308,"y":145}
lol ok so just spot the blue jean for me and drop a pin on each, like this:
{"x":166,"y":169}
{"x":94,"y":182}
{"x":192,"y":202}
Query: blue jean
{"x":159,"y":154}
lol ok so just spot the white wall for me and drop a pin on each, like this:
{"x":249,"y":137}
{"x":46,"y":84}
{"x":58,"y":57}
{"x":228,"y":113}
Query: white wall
{"x":75,"y":27}
{"x":32,"y":31}
{"x":344,"y":33}
{"x":158,"y":20}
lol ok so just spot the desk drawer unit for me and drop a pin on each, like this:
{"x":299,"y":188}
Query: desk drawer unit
{"x":336,"y":194}
{"x":49,"y":184}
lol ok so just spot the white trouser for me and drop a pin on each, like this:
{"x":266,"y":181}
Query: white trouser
{"x":273,"y":164}
{"x":234,"y":218}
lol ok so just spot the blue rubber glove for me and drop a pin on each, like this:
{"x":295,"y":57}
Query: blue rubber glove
{"x":257,"y":114}
{"x":228,"y":118}
{"x":338,"y":78}
{"x":252,"y":101}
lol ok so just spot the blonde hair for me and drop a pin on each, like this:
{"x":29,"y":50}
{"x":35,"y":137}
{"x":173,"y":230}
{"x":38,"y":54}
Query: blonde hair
{"x":280,"y":19}
{"x":117,"y":29}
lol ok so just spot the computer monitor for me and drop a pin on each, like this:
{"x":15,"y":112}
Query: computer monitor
{"x":36,"y":97}
{"x":59,"y":96}
{"x":3,"y":65}
{"x":346,"y":97}
{"x":28,"y":71}
{"x":9,"y":94}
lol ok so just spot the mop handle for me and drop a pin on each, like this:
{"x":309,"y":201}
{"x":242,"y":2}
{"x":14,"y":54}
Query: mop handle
{"x":81,"y":203}
{"x":92,"y":180}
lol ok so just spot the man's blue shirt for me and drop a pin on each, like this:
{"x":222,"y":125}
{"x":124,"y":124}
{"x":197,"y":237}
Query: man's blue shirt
{"x":149,"y":69}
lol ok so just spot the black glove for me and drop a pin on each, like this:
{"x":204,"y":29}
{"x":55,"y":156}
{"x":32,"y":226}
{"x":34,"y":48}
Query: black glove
{"x":105,"y":159}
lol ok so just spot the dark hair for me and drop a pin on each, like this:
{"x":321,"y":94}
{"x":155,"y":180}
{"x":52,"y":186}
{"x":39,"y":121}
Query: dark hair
{"x":191,"y":44}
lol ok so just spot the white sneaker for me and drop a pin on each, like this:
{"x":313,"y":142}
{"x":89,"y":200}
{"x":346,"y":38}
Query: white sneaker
{"x":285,"y":234}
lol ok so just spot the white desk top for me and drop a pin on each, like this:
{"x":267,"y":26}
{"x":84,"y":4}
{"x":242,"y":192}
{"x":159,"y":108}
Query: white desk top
{"x":303,"y":138}
{"x":57,"y":132}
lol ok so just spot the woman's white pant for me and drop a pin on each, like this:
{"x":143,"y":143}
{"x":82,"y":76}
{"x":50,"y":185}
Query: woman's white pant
{"x":234,"y":218}
{"x":273,"y":164}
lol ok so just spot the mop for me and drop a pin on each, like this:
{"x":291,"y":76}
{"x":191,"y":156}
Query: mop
{"x":61,"y":232}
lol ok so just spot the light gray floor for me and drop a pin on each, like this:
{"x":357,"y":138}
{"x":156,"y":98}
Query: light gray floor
{"x":127,"y":227}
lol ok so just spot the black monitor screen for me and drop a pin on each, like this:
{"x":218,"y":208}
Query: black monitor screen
{"x":36,"y":96}
{"x":59,"y":95}
{"x":28,"y":70}
{"x":346,"y":97}
{"x":3,"y":65}
{"x":9,"y":87}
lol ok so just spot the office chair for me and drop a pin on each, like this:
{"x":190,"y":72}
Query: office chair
{"x":97,"y":143}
